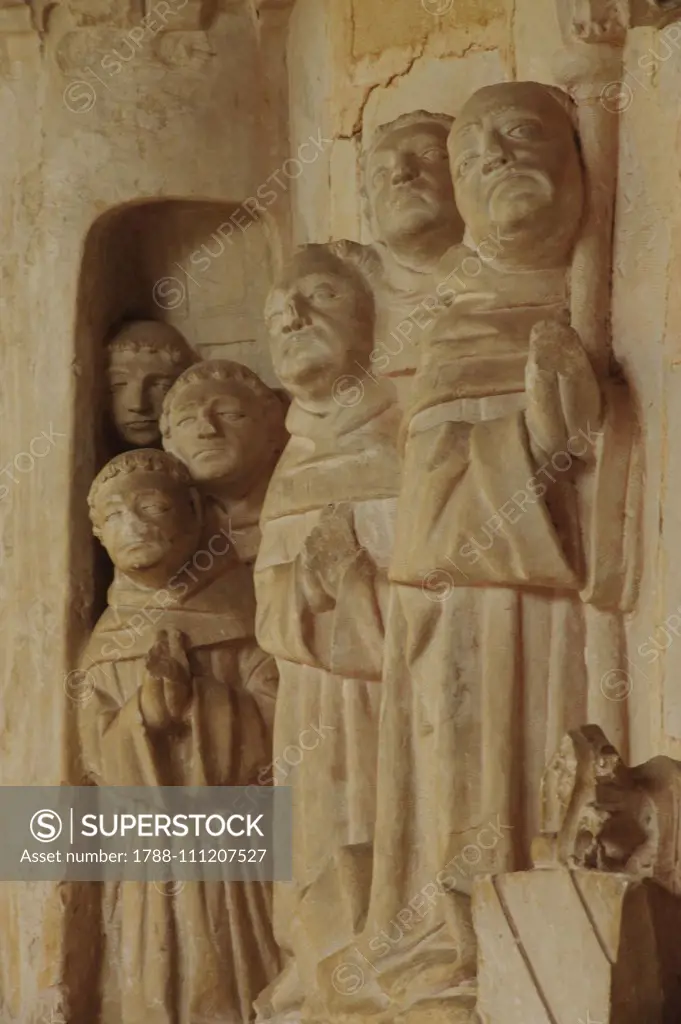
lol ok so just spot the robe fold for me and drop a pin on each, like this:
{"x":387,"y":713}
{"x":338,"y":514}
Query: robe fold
{"x":329,"y":659}
{"x":204,"y":953}
{"x":505,"y":615}
{"x":407,"y":298}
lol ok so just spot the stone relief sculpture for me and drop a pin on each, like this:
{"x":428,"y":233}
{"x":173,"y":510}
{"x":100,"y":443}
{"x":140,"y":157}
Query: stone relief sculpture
{"x":600,"y":814}
{"x":604,"y":904}
{"x":182,"y":696}
{"x":410,"y":207}
{"x":143,"y":360}
{"x":322,"y":590}
{"x":443,"y":544}
{"x":227,"y":426}
{"x":497,"y":550}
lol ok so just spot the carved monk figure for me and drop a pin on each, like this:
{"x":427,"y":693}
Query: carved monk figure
{"x":143,"y":360}
{"x":485,"y":650}
{"x":412,"y":214}
{"x":227,"y":426}
{"x":322,"y":589}
{"x":181,"y":694}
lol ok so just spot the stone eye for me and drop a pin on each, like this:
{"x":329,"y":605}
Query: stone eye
{"x":464,"y":165}
{"x":379,"y":176}
{"x":525,"y":130}
{"x":434,"y":153}
{"x":273,"y":318}
{"x":324,"y":292}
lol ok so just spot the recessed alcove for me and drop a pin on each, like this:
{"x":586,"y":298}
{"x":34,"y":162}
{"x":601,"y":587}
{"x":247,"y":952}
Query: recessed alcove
{"x":202,"y":266}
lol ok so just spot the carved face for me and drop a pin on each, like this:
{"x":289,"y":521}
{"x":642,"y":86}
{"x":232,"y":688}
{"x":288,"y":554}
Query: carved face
{"x":138,"y":382}
{"x":219,"y":431}
{"x":408,"y":184}
{"x":515,"y":165}
{"x":316,"y":325}
{"x":146,"y":521}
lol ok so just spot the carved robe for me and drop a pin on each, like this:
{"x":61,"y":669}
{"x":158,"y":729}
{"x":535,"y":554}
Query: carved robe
{"x":205,"y":952}
{"x":407,"y":302}
{"x":330,"y":661}
{"x":486,"y":651}
{"x":237,"y":520}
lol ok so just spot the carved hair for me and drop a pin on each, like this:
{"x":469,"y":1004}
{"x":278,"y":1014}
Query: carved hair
{"x":226,"y":371}
{"x":411,"y":119}
{"x":146,"y":460}
{"x":362,"y":257}
{"x":562,"y":98}
{"x":527,"y":88}
{"x":153,"y":336}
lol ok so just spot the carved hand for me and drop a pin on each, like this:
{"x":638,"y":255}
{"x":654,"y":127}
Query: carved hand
{"x":564,"y":398}
{"x":166,"y":691}
{"x":331,"y":548}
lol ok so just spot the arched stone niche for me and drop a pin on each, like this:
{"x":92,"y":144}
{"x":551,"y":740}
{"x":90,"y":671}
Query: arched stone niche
{"x":199,"y":110}
{"x":202,"y":266}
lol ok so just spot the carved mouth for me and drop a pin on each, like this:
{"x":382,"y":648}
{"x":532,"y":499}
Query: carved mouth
{"x":138,"y":546}
{"x":402,"y":193}
{"x":140,"y":424}
{"x":215,"y":449}
{"x":303,"y":339}
{"x":529,"y":175}
{"x":304,"y":332}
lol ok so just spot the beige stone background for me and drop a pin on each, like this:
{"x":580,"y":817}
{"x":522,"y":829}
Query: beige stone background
{"x":109,"y":182}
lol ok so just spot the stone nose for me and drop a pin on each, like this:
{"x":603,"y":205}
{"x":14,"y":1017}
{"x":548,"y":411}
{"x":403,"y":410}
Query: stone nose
{"x":494,"y":153}
{"x":137,"y":396}
{"x":295,"y":315}
{"x":405,"y":169}
{"x":134,"y":527}
{"x":206,"y":423}
{"x":492,"y":161}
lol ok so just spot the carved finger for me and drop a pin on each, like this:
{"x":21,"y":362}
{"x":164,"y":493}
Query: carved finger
{"x":557,"y":348}
{"x":582,"y":404}
{"x":177,"y":647}
{"x":544,"y":416}
{"x":177,"y":698}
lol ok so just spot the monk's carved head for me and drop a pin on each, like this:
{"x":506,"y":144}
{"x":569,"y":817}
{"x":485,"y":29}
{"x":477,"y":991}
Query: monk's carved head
{"x":224,"y":423}
{"x":407,"y":186}
{"x":320,"y":318}
{"x":146,"y":513}
{"x":143,"y":360}
{"x":517,"y":171}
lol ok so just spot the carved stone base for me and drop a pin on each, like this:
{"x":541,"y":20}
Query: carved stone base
{"x":564,"y":947}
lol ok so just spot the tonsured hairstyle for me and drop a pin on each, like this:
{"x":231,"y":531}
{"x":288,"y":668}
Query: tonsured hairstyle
{"x":227,"y":372}
{"x":529,"y":90}
{"x":413,"y":119}
{"x":146,"y":460}
{"x":153,"y":336}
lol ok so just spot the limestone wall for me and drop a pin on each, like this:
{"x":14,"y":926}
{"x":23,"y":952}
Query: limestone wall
{"x":100,"y":109}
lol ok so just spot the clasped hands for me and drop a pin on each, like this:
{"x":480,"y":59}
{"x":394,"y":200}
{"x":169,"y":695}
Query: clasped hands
{"x":564,"y":404}
{"x":166,"y":691}
{"x":328,"y":552}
